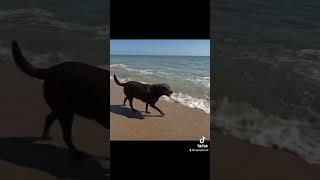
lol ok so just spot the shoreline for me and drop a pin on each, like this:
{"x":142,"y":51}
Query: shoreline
{"x":275,"y":147}
{"x":175,"y":98}
{"x":179,"y":123}
{"x":251,"y":162}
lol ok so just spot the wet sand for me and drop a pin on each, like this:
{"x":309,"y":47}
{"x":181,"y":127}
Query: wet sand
{"x":23,"y":155}
{"x":235,"y":159}
{"x":179,"y":123}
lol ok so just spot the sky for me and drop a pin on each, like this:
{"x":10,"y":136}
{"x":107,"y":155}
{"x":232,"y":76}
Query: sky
{"x":160,"y":47}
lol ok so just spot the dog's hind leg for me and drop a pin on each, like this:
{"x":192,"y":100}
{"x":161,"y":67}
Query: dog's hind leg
{"x":124,"y":101}
{"x":130,"y":100}
{"x":147,"y":104}
{"x":49,"y":120}
{"x":155,"y":107}
{"x":66,"y":121}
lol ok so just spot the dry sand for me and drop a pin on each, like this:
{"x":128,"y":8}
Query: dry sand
{"x":22,"y":154}
{"x":179,"y":123}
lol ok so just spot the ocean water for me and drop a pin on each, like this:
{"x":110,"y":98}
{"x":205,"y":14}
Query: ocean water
{"x":267,"y":66}
{"x":50,"y":32}
{"x":188,"y":76}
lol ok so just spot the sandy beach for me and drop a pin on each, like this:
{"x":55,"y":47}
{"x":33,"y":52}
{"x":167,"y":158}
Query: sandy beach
{"x":23,"y":155}
{"x":179,"y":123}
{"x":235,"y":159}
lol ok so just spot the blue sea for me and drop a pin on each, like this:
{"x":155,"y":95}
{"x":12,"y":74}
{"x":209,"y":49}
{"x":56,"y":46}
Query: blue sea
{"x":188,"y":76}
{"x":50,"y":32}
{"x":267,"y":66}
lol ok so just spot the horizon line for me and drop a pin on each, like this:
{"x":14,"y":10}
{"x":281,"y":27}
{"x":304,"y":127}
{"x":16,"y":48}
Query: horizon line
{"x":153,"y":55}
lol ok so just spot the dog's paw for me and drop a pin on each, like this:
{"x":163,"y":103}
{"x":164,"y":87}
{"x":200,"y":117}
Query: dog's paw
{"x":163,"y":114}
{"x":147,"y":112}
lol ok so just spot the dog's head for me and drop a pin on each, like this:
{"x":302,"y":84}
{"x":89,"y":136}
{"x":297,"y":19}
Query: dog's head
{"x":163,"y":89}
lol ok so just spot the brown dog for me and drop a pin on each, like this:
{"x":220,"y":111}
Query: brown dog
{"x":70,"y":88}
{"x":148,"y":93}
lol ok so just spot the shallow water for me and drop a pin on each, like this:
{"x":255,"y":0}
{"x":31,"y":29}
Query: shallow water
{"x":50,"y":32}
{"x":267,"y":66}
{"x":188,"y":76}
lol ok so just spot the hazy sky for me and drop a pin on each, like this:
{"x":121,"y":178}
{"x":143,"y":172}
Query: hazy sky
{"x":160,"y":47}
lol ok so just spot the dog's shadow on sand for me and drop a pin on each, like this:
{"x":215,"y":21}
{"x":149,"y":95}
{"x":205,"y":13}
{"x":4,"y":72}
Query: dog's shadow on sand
{"x":127,"y":112}
{"x":30,"y":152}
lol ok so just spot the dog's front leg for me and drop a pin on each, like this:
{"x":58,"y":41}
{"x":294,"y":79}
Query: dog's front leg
{"x":147,"y":104}
{"x":155,"y":107}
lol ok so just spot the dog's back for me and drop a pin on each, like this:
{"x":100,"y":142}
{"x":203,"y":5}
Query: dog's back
{"x":77,"y":87}
{"x":149,"y":93}
{"x":137,"y":90}
{"x":71,"y":87}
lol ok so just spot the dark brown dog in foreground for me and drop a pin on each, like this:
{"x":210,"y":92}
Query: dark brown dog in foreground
{"x":70,"y":88}
{"x":148,"y":93}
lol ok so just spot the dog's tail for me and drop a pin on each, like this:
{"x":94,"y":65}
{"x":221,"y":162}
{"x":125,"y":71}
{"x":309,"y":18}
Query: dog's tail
{"x":117,"y":81}
{"x":24,"y":65}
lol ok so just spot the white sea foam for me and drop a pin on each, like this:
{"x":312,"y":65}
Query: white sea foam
{"x":4,"y":14}
{"x":313,"y":52}
{"x":36,"y":16}
{"x":246,"y":122}
{"x":118,"y":66}
{"x":181,"y":98}
{"x":38,"y":59}
{"x":304,"y":62}
{"x":141,"y":71}
{"x":189,"y":101}
{"x":31,"y":16}
{"x":205,"y":81}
